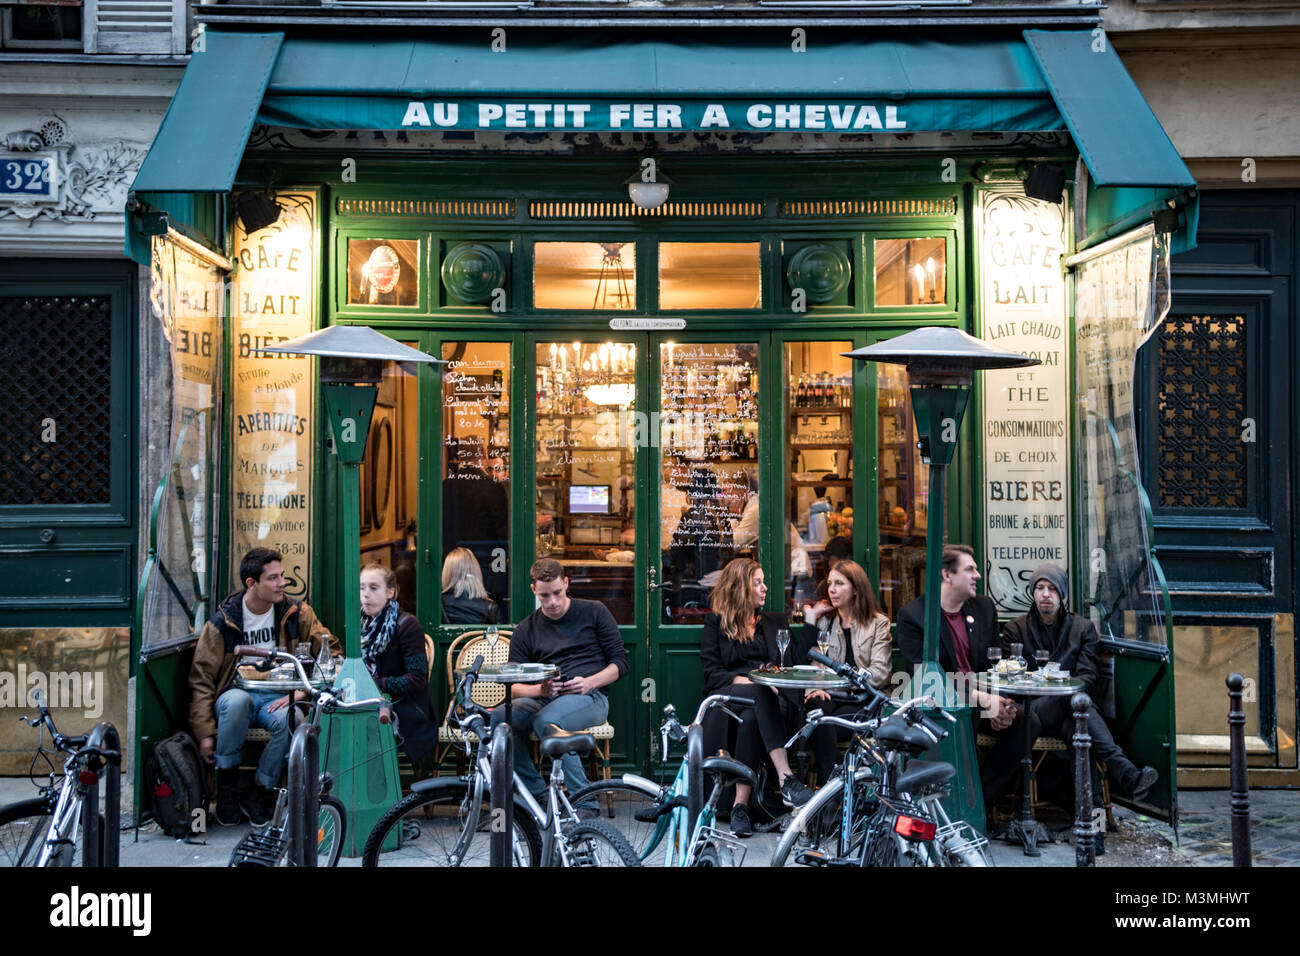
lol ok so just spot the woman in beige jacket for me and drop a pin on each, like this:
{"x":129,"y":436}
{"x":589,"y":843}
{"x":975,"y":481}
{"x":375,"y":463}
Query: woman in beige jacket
{"x":854,"y":630}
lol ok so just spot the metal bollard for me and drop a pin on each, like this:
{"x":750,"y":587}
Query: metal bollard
{"x":502,"y":797}
{"x":104,"y":736}
{"x":1084,"y":854}
{"x":1239,"y":782}
{"x":304,"y":796}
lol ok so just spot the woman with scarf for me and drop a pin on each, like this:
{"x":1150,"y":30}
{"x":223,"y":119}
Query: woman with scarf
{"x":392,"y":646}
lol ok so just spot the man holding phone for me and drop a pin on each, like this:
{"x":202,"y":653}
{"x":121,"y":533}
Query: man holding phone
{"x":581,"y":638}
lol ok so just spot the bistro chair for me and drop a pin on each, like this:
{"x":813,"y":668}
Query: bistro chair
{"x":461,"y":653}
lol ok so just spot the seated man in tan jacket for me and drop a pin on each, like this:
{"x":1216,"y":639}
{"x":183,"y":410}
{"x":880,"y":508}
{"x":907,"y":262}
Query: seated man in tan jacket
{"x":220,"y":713}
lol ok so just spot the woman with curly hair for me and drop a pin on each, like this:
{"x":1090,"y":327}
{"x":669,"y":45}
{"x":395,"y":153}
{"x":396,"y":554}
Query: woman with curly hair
{"x":737,"y":638}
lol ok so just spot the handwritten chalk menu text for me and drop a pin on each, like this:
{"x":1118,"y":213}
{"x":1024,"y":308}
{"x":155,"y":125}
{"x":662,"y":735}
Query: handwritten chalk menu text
{"x":1026,"y":443}
{"x":271,"y":469}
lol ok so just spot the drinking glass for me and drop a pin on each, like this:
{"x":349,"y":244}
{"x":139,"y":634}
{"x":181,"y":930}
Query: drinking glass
{"x":1041,"y":658}
{"x":995,"y":655}
{"x":491,"y":634}
{"x":782,"y":642}
{"x":303,"y":653}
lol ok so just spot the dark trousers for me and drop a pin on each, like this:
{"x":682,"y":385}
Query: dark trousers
{"x":826,"y":740}
{"x":1057,"y":720}
{"x":1002,"y":763}
{"x":764,"y":727}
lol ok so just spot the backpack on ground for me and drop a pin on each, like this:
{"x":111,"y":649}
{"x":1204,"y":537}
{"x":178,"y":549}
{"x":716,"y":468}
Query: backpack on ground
{"x":178,"y":786}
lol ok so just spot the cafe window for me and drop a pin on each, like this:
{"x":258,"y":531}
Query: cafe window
{"x":389,"y":482}
{"x":708,"y":437}
{"x":598,"y":276}
{"x":911,"y":271}
{"x":383,"y":272}
{"x":819,"y":495}
{"x":710,"y":275}
{"x":903,"y":495}
{"x":586,"y":464}
{"x":475,"y":481}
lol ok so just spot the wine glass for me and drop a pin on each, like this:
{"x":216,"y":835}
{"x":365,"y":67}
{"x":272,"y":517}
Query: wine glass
{"x":782,"y":642}
{"x":491,"y":634}
{"x":1041,"y":657}
{"x":995,"y":655}
{"x":824,"y":636}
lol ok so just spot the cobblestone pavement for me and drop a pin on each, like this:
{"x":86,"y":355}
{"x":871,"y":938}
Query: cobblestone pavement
{"x":1205,"y":834}
{"x":1205,"y":838}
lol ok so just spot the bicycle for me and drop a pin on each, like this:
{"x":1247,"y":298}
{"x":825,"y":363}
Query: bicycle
{"x":875,"y":812}
{"x":269,"y":845}
{"x":440,"y":822}
{"x":678,"y":818}
{"x":47,"y":830}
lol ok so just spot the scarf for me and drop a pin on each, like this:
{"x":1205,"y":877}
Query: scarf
{"x":376,"y":633}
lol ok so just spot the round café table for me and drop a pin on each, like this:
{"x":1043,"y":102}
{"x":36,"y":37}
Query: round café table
{"x":509,"y":674}
{"x":1026,"y":830}
{"x":800,"y":677}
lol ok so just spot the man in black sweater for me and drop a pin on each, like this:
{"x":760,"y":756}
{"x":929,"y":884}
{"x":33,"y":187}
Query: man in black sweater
{"x":1073,"y":643}
{"x":581,"y":638}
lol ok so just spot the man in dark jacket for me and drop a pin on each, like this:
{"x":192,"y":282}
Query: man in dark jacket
{"x":220,"y":713}
{"x":1074,"y":645}
{"x":968,"y":627}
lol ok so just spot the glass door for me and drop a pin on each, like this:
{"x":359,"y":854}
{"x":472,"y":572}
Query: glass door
{"x":586,"y":483}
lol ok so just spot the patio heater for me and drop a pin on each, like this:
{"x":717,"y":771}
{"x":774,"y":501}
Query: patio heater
{"x":361,"y":752}
{"x":939,"y":365}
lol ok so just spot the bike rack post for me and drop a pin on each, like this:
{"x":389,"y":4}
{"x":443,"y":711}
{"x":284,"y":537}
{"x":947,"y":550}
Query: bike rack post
{"x":103,"y":736}
{"x":1238,"y":780}
{"x":501,"y":804}
{"x":1084,"y":855}
{"x":304,"y":784}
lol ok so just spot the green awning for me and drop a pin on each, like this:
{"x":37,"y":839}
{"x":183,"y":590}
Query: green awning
{"x":201,"y":140}
{"x":1119,"y":137}
{"x":553,"y":81}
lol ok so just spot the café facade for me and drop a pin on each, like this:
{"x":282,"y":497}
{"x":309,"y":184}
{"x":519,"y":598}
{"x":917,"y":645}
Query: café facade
{"x":643,"y":241}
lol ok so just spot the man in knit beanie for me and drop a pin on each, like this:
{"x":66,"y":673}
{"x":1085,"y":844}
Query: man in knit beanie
{"x":1073,"y":644}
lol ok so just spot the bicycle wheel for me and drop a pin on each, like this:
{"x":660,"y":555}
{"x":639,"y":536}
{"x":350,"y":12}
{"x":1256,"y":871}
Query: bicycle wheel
{"x":817,"y":825}
{"x":596,"y":843}
{"x":22,"y":831}
{"x":625,"y":801}
{"x":431,"y":829}
{"x":331,"y":831}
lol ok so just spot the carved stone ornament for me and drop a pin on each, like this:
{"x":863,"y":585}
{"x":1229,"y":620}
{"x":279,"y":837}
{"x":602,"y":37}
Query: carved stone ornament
{"x":39,"y":178}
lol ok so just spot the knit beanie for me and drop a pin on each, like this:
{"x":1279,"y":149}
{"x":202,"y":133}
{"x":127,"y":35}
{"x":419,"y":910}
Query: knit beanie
{"x":1055,"y":576}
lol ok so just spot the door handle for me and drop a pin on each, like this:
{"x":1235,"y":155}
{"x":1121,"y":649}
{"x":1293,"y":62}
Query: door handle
{"x":651,"y":574}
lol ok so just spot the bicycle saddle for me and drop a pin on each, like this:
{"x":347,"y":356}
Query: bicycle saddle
{"x":562,"y":742}
{"x":924,"y":775}
{"x":727,"y":767}
{"x":898,"y":736}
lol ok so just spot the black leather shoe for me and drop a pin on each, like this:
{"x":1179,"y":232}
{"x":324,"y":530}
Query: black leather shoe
{"x":1147,"y":778}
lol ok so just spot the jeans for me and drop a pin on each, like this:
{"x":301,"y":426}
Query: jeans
{"x":572,"y":712}
{"x":236,"y":710}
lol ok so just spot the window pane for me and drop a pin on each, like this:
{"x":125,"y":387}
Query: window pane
{"x":819,"y":519}
{"x":910,"y":271}
{"x":383,"y":272}
{"x":389,"y":481}
{"x":708,"y":436}
{"x":585,"y":468}
{"x":904,"y":494}
{"x":584,"y":275}
{"x":475,"y":480}
{"x":710,"y":275}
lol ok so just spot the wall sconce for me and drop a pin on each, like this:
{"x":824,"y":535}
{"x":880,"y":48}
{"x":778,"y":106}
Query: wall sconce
{"x":1046,"y":182}
{"x":648,"y":188}
{"x":257,"y":211}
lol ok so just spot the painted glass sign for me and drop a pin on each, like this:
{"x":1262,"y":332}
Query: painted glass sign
{"x":1026,"y":420}
{"x":29,"y":176}
{"x":273,"y":430}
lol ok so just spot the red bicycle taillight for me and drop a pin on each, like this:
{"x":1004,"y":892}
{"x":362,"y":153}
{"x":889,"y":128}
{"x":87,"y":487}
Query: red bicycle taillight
{"x":89,"y":776}
{"x":914,"y":828}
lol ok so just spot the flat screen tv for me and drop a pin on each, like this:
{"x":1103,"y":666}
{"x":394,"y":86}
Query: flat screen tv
{"x":589,"y":499}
